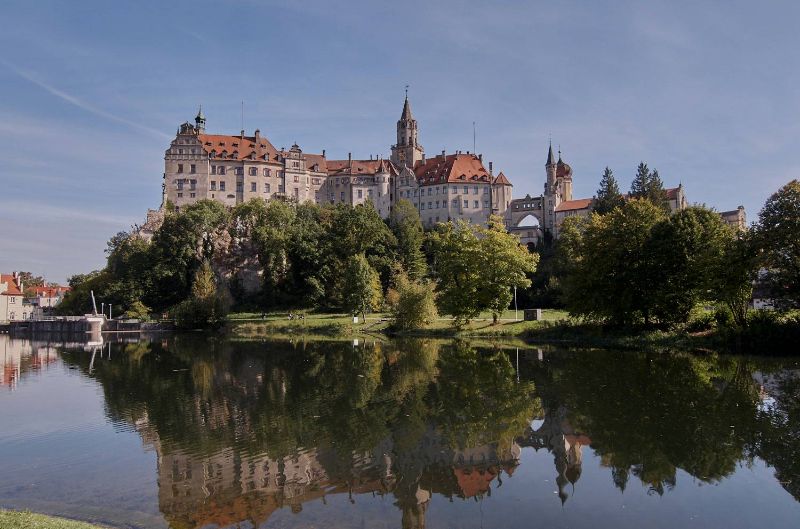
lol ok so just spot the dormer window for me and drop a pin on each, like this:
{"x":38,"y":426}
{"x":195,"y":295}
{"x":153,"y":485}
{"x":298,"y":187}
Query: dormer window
{"x":235,"y":154}
{"x":212,"y":154}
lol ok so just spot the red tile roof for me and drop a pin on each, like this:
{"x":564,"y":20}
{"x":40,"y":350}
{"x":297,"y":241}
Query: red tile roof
{"x":455,"y":168}
{"x":572,"y":205}
{"x":50,"y":292}
{"x":501,"y":179}
{"x":359,"y":167}
{"x":13,"y":289}
{"x":244,"y":147}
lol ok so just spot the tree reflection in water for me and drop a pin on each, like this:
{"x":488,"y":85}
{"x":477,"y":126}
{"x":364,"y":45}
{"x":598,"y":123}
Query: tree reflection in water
{"x":243,"y":429}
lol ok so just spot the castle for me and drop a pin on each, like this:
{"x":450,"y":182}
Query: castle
{"x":233,"y":169}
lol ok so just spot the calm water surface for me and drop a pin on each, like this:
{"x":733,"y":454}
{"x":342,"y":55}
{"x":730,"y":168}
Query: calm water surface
{"x":188,"y":433}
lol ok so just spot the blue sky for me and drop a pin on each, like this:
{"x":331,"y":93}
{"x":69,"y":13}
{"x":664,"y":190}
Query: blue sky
{"x":92,"y":91}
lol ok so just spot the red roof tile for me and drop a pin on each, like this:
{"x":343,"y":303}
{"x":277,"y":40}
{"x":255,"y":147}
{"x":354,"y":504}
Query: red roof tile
{"x":359,"y":167}
{"x":244,"y":147}
{"x":501,"y":179}
{"x":12,"y":289}
{"x":455,"y":168}
{"x":50,"y":292}
{"x":572,"y":205}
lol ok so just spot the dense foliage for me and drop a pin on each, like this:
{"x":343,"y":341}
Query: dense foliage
{"x":778,"y":236}
{"x":263,"y":256}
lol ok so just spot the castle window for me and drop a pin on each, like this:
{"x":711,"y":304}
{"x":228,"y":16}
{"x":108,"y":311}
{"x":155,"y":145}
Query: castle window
{"x":213,"y":185}
{"x":486,"y":190}
{"x":239,"y":171}
{"x":193,"y":168}
{"x":239,"y":187}
{"x":253,"y":188}
{"x":422,"y":205}
{"x":430,"y":205}
{"x":266,"y":172}
{"x":341,"y":195}
{"x":437,"y":204}
{"x":192,"y":184}
{"x":180,"y":195}
{"x":212,"y":154}
{"x":475,"y":204}
{"x":222,"y":185}
{"x":360,"y":194}
{"x":221,"y":169}
{"x":486,"y":203}
{"x":466,"y":204}
{"x":254,"y":171}
{"x":180,"y":151}
{"x":179,"y":184}
{"x":266,"y":188}
{"x":192,"y":195}
{"x":475,"y":190}
{"x":466,"y":190}
{"x":296,"y":178}
{"x":180,"y":167}
{"x":213,"y":169}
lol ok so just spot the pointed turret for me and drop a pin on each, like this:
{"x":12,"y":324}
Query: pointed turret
{"x":407,"y":151}
{"x":200,"y":120}
{"x":550,"y":159}
{"x":407,"y":116}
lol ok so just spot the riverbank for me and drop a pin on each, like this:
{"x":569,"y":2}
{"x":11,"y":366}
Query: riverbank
{"x":28,"y":520}
{"x":765,"y":334}
{"x":555,"y":328}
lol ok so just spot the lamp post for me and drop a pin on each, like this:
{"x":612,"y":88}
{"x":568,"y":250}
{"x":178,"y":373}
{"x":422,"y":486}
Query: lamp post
{"x":109,"y":311}
{"x":516,"y":316}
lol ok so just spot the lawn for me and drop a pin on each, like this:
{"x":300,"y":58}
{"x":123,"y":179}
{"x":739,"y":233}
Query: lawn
{"x":253,"y":324}
{"x":27,"y":520}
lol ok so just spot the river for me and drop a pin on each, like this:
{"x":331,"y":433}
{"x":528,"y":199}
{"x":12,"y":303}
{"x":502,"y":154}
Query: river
{"x":189,"y":432}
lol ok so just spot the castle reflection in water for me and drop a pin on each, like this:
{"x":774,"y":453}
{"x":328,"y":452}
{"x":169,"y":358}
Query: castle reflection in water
{"x":242,"y":430}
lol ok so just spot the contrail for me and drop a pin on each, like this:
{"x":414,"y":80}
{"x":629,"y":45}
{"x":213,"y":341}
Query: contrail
{"x":81,"y":104}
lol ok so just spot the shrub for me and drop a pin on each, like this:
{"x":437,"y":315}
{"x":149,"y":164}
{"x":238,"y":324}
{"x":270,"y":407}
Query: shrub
{"x":701,"y":321}
{"x":138,"y":310}
{"x":416,"y":304}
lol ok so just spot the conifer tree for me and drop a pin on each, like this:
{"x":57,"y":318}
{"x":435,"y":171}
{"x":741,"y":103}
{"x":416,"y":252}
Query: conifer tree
{"x":608,"y":196}
{"x":640,"y":182}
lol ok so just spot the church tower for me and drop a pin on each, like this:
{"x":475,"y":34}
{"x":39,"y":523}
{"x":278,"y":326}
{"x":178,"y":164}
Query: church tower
{"x":407,"y":151}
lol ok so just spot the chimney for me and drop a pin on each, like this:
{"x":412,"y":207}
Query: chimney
{"x":258,"y":135}
{"x":480,"y":157}
{"x":242,"y":134}
{"x":490,"y":167}
{"x":323,"y":153}
{"x":423,"y":157}
{"x":442,"y":153}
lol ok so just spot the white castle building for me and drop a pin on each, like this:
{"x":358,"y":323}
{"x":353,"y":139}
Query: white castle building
{"x":235,"y":169}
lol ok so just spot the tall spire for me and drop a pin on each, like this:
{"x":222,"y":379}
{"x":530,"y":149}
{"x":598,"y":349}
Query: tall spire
{"x":406,"y":110}
{"x":550,"y":159}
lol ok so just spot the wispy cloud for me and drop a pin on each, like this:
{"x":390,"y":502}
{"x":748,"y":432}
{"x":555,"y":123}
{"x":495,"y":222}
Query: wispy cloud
{"x":83,"y":105}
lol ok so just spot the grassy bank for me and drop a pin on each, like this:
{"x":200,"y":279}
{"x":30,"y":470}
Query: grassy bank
{"x":256,"y":325}
{"x":555,"y":328}
{"x":27,"y":520}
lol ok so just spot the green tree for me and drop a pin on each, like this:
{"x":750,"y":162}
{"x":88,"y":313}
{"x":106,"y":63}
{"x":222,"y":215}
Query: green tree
{"x":138,"y":310}
{"x":505,"y":264}
{"x":205,"y":308}
{"x":686,"y":252}
{"x":641,"y":182}
{"x":778,"y":236}
{"x":648,"y":185}
{"x":477,"y":267}
{"x":415,"y":307}
{"x":608,"y":196}
{"x":607,"y":273}
{"x":179,"y":247}
{"x":363,"y":293}
{"x":406,"y":225}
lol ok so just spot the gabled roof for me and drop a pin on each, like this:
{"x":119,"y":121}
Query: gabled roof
{"x":452,"y":168}
{"x":360,"y":167}
{"x":243,"y":146}
{"x":502,"y":180}
{"x":50,"y":292}
{"x":13,"y":289}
